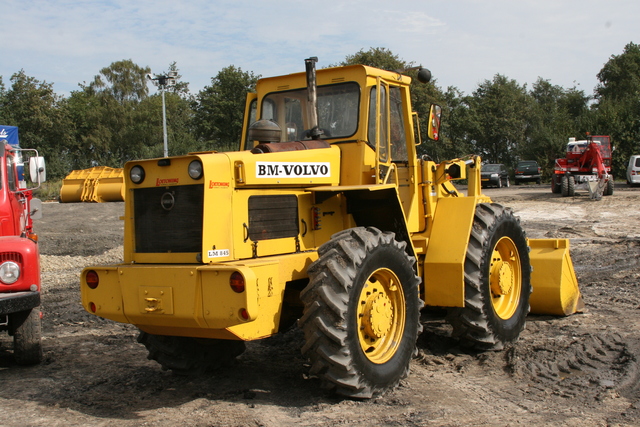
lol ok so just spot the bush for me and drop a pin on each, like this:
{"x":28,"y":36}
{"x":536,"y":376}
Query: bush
{"x":48,"y":191}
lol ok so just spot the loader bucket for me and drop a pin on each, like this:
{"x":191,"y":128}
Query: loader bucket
{"x":109,"y":189}
{"x":73,"y":186}
{"x":555,"y":287}
{"x":98,"y":184}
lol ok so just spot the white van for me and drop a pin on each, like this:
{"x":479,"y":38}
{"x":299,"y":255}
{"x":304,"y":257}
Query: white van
{"x":633,"y":171}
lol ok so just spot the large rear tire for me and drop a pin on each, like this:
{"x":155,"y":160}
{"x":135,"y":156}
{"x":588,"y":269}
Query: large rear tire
{"x":27,"y":337}
{"x":190,"y":356}
{"x":497,"y":281}
{"x":568,"y":186}
{"x":555,"y":185}
{"x":362,"y":312}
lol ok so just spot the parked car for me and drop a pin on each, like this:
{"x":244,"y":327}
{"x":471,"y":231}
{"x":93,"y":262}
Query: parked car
{"x":527,"y":171}
{"x":494,"y":175}
{"x":633,"y":171}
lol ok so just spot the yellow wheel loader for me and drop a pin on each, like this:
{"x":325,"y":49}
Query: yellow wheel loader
{"x":328,"y":218}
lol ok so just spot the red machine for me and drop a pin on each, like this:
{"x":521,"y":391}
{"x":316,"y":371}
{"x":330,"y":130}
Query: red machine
{"x":588,"y":163}
{"x":19,"y":256}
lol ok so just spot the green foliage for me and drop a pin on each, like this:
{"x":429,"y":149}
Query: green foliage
{"x":497,"y":119}
{"x":114,"y":119}
{"x":378,"y":57}
{"x":117,"y":121}
{"x":219,"y":109}
{"x":555,"y":115}
{"x":617,"y":112}
{"x":620,"y":76}
{"x":49,"y":190}
{"x":122,"y":81}
{"x":34,"y":108}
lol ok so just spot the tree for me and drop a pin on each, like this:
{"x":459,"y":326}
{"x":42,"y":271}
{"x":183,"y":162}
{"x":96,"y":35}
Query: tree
{"x":34,"y":107}
{"x":496,"y":122}
{"x":617,"y":112}
{"x":123,"y":81}
{"x":455,"y":138}
{"x":555,"y":115}
{"x":378,"y":57}
{"x":620,"y":76}
{"x":115,"y":121}
{"x":219,"y":108}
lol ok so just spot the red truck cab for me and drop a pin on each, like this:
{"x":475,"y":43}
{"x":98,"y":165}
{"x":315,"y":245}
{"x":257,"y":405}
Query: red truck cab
{"x":19,"y":257}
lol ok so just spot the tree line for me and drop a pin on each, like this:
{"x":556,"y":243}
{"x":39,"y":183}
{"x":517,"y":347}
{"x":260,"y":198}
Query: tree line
{"x":114,"y":118}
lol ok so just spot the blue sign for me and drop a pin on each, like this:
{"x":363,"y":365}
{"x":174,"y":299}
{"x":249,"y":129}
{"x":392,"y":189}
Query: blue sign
{"x":10,"y":133}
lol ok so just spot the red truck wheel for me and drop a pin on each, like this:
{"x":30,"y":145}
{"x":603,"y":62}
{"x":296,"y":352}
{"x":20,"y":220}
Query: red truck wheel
{"x":27,"y":347}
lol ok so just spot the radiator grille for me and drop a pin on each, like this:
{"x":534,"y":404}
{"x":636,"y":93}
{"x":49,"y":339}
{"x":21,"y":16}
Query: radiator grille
{"x":273,"y":217}
{"x":11,"y":256}
{"x":168,"y":219}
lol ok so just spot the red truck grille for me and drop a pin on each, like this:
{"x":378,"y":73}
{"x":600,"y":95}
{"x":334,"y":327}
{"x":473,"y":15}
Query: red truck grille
{"x":11,"y":256}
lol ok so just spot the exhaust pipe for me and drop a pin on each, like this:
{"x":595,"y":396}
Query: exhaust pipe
{"x":312,"y":97}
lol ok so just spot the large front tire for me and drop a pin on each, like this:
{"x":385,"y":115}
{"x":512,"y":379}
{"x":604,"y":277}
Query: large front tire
{"x":608,"y":191}
{"x":497,"y":281}
{"x":27,"y":337}
{"x":362,"y":312}
{"x":190,"y":356}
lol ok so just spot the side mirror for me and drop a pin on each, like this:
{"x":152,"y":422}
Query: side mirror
{"x":36,"y":209}
{"x":435,"y":114}
{"x":37,"y":169}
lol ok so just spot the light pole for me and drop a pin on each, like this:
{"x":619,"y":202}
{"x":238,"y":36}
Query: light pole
{"x":162,"y":82}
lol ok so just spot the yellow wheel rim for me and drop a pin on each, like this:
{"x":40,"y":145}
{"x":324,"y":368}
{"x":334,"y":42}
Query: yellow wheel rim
{"x":381,"y":316}
{"x":505,"y":278}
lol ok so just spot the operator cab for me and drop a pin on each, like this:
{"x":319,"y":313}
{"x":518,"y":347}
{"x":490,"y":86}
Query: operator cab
{"x":577,"y":146}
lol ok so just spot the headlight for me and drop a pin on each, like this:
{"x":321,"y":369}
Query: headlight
{"x":195,"y":169}
{"x":136,"y":174}
{"x":494,"y":175}
{"x":9,"y":272}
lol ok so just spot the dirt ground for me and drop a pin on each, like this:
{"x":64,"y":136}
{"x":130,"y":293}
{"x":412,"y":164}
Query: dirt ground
{"x":581,"y":370}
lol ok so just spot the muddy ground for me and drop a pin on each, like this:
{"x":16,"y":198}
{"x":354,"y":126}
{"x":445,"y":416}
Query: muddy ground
{"x":580,"y":370}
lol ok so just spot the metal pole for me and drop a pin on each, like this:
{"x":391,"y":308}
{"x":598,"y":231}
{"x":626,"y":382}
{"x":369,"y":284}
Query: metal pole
{"x":164,"y":124}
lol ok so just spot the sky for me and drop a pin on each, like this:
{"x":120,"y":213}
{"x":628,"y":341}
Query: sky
{"x":463,"y":43}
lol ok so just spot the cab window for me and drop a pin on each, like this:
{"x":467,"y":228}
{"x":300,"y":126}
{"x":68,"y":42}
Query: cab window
{"x":398,"y":136}
{"x":337,"y":111}
{"x":373,"y":120}
{"x":395,"y":112}
{"x":11,"y":173}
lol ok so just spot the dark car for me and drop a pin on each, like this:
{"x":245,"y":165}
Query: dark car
{"x":494,"y":175}
{"x":528,"y":171}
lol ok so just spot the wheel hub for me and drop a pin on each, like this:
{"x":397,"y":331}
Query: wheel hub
{"x":502,"y":279}
{"x":378,"y":315}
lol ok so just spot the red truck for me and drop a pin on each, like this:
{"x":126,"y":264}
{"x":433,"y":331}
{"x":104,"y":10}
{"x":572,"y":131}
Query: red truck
{"x":587,"y":162}
{"x":20,"y":315}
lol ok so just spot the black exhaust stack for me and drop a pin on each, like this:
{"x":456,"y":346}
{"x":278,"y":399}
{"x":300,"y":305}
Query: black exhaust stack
{"x":312,"y":97}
